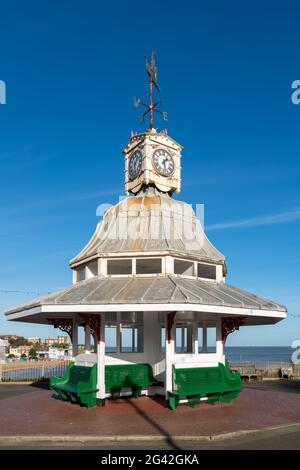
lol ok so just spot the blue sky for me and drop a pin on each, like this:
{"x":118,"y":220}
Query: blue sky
{"x":71,"y":70}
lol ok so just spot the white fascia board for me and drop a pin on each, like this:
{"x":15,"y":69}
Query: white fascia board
{"x":90,"y":308}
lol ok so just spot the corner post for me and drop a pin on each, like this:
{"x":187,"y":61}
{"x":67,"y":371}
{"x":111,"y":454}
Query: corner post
{"x":74,"y":337}
{"x":87,"y":339}
{"x":195,"y":336}
{"x":101,"y":361}
{"x":170,"y":351}
{"x":219,"y":339}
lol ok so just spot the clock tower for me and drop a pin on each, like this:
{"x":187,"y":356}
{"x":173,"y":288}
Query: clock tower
{"x":152,"y":158}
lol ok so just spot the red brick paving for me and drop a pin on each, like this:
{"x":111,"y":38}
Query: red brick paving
{"x":37,"y":413}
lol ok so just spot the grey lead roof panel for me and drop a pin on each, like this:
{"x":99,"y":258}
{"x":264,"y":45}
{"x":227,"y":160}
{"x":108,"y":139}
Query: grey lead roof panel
{"x":152,"y":221}
{"x":152,"y":290}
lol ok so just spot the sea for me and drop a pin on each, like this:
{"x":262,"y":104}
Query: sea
{"x":260,"y":355}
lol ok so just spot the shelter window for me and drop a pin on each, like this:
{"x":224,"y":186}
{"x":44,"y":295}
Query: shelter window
{"x":211,"y":338}
{"x":206,"y":270}
{"x":93,"y":268}
{"x":111,"y":332}
{"x":148,"y":266}
{"x":80,"y":274}
{"x":207,"y":337}
{"x":163,"y":339}
{"x":132,"y":329}
{"x":119,"y":266}
{"x":184,"y":338}
{"x":183,"y":267}
{"x":200,"y":338}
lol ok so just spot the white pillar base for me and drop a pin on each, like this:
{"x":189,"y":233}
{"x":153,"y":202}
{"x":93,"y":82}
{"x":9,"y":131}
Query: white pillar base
{"x":170,"y":351}
{"x":101,"y":362}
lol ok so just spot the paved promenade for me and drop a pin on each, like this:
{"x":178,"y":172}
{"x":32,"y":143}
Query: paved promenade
{"x":29,"y":411}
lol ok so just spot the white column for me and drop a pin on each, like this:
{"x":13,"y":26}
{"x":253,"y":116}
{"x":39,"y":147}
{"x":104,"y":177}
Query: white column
{"x":102,"y":267}
{"x":118,"y":332}
{"x":134,"y":266}
{"x":169,"y":265}
{"x":219,"y":345}
{"x":87,"y":339}
{"x":101,"y":362}
{"x":219,"y":273}
{"x":170,"y":351}
{"x":195,"y":336}
{"x":74,"y":337}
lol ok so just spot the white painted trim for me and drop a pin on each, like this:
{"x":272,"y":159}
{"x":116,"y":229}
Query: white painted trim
{"x":86,"y":308}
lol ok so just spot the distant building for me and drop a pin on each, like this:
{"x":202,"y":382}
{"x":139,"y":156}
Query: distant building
{"x":62,"y":340}
{"x":9,"y":337}
{"x":41,"y":354}
{"x":3,"y":345}
{"x":34,"y":340}
{"x":50,"y":341}
{"x":57,"y":353}
{"x":20,"y":350}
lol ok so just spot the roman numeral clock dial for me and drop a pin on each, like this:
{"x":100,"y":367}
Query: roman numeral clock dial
{"x":163,"y":162}
{"x":135,"y":164}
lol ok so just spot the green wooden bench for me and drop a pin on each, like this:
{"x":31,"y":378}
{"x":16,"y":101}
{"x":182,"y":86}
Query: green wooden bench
{"x":79,"y":384}
{"x":133,"y":376}
{"x":210,"y":384}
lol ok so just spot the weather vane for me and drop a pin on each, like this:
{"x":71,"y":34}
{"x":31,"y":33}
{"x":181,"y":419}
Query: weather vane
{"x":152,"y":72}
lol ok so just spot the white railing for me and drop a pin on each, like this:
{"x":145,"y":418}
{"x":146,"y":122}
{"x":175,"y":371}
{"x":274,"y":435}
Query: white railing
{"x":30,"y":371}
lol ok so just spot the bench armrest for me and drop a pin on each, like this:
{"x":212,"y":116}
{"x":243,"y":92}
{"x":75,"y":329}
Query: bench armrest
{"x":64,"y":379}
{"x":57,"y":380}
{"x":231,"y":375}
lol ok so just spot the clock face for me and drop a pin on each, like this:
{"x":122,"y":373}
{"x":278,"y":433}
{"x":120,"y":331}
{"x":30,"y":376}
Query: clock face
{"x":135,"y":164}
{"x":163,"y":162}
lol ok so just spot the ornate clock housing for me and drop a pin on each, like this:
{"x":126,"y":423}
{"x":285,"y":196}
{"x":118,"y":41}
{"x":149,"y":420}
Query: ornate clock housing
{"x":152,"y":158}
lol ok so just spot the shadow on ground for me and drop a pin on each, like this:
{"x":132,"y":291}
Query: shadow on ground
{"x":41,"y":383}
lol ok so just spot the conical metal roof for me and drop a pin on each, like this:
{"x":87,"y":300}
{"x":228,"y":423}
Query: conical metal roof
{"x":150,"y":222}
